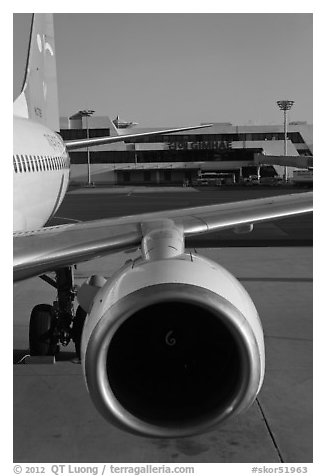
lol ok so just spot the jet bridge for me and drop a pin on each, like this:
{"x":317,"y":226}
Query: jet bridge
{"x":300,"y":162}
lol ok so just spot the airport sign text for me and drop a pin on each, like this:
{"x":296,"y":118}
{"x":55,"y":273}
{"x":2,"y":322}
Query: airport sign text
{"x":201,"y":145}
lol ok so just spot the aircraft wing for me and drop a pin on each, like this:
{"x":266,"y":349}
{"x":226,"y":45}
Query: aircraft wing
{"x":50,"y":248}
{"x":80,"y":143}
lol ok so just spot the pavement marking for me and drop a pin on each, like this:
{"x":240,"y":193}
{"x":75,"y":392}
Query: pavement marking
{"x":300,"y":339}
{"x":270,"y":431}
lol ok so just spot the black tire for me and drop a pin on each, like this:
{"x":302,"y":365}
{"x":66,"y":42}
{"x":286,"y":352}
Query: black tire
{"x":77,"y":328}
{"x":41,"y":327}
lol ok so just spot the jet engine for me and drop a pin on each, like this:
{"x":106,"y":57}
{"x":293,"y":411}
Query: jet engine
{"x":172,"y":347}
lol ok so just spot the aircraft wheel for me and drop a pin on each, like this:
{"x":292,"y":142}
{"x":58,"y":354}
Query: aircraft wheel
{"x":77,"y":328}
{"x":41,"y":327}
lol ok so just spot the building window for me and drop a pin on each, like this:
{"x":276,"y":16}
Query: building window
{"x":99,"y":132}
{"x":295,"y":137}
{"x":167,"y":175}
{"x":147,"y":175}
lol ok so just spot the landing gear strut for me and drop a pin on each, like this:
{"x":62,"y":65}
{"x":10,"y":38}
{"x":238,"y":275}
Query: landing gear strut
{"x":56,"y":324}
{"x":77,"y":329}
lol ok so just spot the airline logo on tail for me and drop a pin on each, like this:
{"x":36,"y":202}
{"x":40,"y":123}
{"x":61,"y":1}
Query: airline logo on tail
{"x":47,"y":46}
{"x":38,"y":100}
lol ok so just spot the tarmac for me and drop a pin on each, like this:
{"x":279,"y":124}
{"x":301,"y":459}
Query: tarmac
{"x":92,"y":203}
{"x":55,"y":420}
{"x":128,"y":190}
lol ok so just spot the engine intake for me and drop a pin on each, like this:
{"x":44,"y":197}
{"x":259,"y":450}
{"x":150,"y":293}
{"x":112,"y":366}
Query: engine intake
{"x":171,"y":360}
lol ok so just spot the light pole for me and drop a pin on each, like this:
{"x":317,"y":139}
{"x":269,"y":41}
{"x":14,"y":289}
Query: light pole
{"x":87,"y":113}
{"x":285,"y":105}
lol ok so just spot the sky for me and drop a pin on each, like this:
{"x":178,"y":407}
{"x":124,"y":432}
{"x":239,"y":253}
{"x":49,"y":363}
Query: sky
{"x":171,"y":69}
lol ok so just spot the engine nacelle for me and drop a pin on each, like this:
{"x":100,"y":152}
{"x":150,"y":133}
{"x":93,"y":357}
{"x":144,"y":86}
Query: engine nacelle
{"x":172,"y":347}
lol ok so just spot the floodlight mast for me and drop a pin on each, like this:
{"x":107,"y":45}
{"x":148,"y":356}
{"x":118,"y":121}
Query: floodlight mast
{"x":87,"y":113}
{"x":285,"y":105}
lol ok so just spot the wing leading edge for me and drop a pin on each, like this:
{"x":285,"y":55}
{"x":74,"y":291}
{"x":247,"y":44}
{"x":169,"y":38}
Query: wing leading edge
{"x":81,"y":143}
{"x":50,"y":248}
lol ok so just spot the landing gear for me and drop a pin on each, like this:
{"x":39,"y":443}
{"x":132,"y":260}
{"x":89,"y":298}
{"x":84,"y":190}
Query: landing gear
{"x":53,"y":325}
{"x":41,"y":331}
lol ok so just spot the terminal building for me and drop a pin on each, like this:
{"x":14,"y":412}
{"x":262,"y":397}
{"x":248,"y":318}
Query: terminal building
{"x":175,"y":158}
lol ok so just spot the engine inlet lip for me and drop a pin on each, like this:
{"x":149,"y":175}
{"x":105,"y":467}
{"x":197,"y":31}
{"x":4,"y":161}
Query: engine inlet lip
{"x":96,"y":358}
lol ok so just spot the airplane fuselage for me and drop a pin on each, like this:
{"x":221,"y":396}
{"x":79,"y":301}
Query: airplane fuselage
{"x":41,"y":168}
